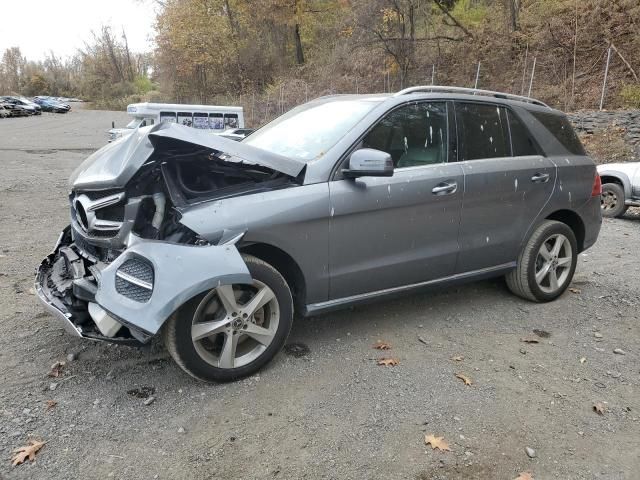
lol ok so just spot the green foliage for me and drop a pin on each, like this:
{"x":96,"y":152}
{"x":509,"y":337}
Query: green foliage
{"x":630,"y":95}
{"x":143,"y":84}
{"x":470,"y":12}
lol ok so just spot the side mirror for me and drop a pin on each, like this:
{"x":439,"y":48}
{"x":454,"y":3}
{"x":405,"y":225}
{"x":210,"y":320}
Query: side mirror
{"x":368,"y":162}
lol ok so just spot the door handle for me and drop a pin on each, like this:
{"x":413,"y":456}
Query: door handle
{"x":540,"y":178}
{"x":445,"y":188}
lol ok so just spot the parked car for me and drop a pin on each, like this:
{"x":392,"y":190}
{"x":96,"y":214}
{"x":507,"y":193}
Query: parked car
{"x":4,"y":112}
{"x":49,"y":105}
{"x":620,"y":187}
{"x":27,"y":105}
{"x":15,"y":110}
{"x":213,"y":244}
{"x":237,"y":134}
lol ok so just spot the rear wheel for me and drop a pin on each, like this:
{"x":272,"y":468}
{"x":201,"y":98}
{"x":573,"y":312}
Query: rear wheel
{"x":233,"y":330}
{"x":612,"y":200}
{"x":546,"y":264}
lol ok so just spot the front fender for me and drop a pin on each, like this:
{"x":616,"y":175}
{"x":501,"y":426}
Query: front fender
{"x":180,"y":272}
{"x":623,"y":177}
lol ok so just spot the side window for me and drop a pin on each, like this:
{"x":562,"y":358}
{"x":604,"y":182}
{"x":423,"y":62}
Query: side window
{"x":521,"y":141}
{"x":230,"y":120}
{"x":559,"y":127}
{"x":413,"y":135}
{"x":169,"y":117}
{"x":483,"y":131}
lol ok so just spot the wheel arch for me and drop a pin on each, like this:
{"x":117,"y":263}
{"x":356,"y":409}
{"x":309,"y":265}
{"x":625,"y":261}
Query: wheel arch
{"x":574,"y":222}
{"x":285,"y":264}
{"x":613,"y":176}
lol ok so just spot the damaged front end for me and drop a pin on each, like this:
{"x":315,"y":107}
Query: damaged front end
{"x":126,"y":263}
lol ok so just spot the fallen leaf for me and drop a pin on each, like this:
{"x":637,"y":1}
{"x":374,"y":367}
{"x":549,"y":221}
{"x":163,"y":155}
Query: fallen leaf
{"x":464,"y":378}
{"x":530,"y":339}
{"x":575,"y":290}
{"x":583,"y":359}
{"x":458,"y":358}
{"x":524,"y":476}
{"x":49,"y":405}
{"x":436,"y":442}
{"x":56,"y":369}
{"x":28,"y":451}
{"x":388,"y":362}
{"x":599,"y":408}
{"x":380,"y":345}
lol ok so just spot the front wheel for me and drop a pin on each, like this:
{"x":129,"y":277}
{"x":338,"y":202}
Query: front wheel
{"x":546,"y":264}
{"x":233,"y":330}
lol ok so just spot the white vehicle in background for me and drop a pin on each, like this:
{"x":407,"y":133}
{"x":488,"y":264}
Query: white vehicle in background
{"x":214,"y":118}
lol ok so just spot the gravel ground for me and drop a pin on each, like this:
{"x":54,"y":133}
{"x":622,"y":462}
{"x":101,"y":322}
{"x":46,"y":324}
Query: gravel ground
{"x":332,"y":413}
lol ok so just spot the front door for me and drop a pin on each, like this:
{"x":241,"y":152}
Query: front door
{"x":393,"y":231}
{"x":507,"y":183}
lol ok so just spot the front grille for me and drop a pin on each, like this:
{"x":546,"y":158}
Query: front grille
{"x":134,"y":280}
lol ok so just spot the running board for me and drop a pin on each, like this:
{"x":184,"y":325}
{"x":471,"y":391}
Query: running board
{"x":322,"y":307}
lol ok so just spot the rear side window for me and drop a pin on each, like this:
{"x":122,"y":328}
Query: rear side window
{"x":521,"y":141}
{"x":483,"y":131}
{"x":561,"y":129}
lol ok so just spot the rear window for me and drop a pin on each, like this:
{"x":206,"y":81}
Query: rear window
{"x":483,"y":131}
{"x":561,"y":129}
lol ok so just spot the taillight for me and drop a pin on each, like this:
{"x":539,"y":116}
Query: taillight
{"x":596,"y":191}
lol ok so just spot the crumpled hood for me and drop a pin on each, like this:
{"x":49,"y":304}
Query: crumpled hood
{"x":116,"y":163}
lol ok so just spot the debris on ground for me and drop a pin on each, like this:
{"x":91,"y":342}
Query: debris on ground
{"x":296,"y":350}
{"x":56,"y":369}
{"x":49,"y":404}
{"x":619,"y":351}
{"x":380,"y":345}
{"x":464,"y":378}
{"x":149,"y":400}
{"x":531,"y":453}
{"x":524,"y":476}
{"x":541,"y":333}
{"x":141,"y":392}
{"x":530,"y":339}
{"x":436,"y":442}
{"x":457,"y":358}
{"x":599,"y":408}
{"x":28,"y":451}
{"x":388,"y":362}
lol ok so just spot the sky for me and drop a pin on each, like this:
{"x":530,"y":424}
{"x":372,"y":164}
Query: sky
{"x":41,"y":26}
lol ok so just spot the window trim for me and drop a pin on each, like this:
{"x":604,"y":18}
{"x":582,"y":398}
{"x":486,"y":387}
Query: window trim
{"x":335,"y":174}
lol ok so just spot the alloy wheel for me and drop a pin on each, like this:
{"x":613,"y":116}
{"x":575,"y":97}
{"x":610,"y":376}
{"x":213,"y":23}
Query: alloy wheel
{"x":234,"y":324}
{"x":553,"y":263}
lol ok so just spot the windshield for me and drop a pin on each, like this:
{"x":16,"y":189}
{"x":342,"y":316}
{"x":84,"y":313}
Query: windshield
{"x":308,"y":131}
{"x":135,"y":123}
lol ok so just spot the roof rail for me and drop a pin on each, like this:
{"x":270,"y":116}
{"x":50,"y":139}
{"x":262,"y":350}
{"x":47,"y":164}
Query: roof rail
{"x":470,"y":91}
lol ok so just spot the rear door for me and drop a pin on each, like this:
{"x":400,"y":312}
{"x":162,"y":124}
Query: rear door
{"x":387,"y":232}
{"x":507,"y":183}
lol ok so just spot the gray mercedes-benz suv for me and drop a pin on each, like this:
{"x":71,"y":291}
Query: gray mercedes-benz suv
{"x":214,"y":244}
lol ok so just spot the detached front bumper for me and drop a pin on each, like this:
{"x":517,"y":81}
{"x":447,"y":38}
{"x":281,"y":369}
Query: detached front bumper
{"x":137,"y":292}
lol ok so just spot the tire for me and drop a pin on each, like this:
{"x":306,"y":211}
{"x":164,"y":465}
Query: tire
{"x":533,"y":260}
{"x":612,"y":200}
{"x":219,"y":356}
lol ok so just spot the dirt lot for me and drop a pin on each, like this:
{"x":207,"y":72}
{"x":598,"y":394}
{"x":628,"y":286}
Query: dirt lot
{"x":333,"y":413}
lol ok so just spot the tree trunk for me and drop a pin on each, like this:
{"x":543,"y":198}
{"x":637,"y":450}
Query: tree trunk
{"x":299,"y":51}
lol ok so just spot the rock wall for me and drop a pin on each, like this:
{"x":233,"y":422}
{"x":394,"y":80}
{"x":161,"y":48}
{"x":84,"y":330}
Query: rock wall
{"x":626,"y":122}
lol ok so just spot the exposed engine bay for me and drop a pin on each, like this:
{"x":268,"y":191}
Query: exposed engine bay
{"x":103,"y":272}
